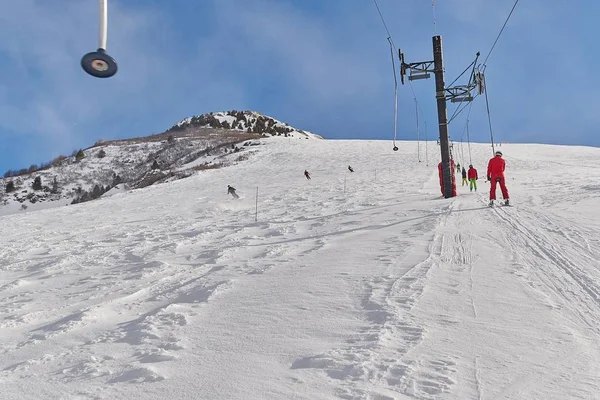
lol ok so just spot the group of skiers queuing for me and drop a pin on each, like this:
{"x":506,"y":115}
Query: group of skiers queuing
{"x":495,"y":175}
{"x":472,"y":177}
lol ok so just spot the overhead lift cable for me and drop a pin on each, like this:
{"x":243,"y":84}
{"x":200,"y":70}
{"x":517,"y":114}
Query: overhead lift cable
{"x":385,"y":25}
{"x":457,"y":111}
{"x":434,"y":18}
{"x":393,"y":51}
{"x":395,"y":93}
{"x":500,"y":33}
{"x":484,"y":66}
{"x":487,"y":105}
{"x":462,"y":73}
{"x":466,"y":129}
{"x":417,"y":112}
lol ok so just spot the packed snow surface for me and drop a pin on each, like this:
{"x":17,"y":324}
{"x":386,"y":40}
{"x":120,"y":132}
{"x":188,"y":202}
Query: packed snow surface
{"x":364,"y":285}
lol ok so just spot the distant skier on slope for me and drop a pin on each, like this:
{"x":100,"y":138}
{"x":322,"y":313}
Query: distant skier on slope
{"x":350,"y":169}
{"x":495,"y":174}
{"x":472,"y":174}
{"x":306,"y":174}
{"x":231,"y":191}
{"x":464,"y":177}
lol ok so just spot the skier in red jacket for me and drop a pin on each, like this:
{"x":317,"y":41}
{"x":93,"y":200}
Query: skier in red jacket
{"x":472,"y":174}
{"x":495,"y":174}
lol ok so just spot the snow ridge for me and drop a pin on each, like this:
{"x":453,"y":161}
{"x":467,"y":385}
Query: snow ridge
{"x":247,"y":121}
{"x":117,"y":166}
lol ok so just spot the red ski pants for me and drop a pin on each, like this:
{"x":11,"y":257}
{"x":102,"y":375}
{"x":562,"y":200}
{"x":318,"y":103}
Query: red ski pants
{"x":503,"y":188}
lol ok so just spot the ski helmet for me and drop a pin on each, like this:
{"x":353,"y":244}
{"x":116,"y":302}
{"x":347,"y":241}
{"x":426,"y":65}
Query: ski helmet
{"x":498,"y":153}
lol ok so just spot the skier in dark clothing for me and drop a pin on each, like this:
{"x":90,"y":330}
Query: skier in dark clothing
{"x":350,"y":169}
{"x":231,"y":191}
{"x":464,"y":177}
{"x":306,"y":174}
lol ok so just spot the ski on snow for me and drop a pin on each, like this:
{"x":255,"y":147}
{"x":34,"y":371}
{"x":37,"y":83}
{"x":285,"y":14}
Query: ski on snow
{"x":499,"y":205}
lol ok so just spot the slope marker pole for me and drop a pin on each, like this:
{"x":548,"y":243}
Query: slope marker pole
{"x":256,"y":212}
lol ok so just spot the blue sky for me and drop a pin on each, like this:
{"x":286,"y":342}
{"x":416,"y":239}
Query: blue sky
{"x":323,"y":66}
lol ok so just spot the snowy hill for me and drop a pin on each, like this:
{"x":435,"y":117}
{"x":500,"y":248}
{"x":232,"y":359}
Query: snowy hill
{"x":121,"y":165}
{"x":364,"y":285}
{"x":245,"y":121}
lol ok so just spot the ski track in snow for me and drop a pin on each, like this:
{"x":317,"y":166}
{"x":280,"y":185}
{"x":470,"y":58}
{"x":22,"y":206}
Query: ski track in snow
{"x":347,"y":286}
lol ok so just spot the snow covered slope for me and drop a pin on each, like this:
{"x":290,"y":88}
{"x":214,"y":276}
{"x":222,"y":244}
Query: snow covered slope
{"x":198,"y":143}
{"x":364,"y":285}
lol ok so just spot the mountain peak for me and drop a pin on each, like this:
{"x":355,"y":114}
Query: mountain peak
{"x":244,"y":121}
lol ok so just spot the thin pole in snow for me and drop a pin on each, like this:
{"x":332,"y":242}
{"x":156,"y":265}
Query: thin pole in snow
{"x":256,"y":213}
{"x":418,"y":133}
{"x":426,"y":154}
{"x":469,"y":143}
